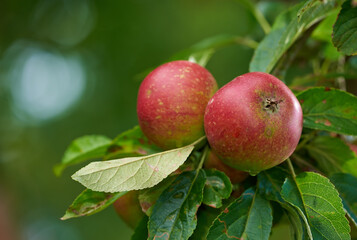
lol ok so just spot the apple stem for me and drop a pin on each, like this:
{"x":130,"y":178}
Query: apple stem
{"x":291,"y":167}
{"x":203,"y":157}
{"x":258,"y":15}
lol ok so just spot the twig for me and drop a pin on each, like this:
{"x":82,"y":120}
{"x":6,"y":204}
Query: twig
{"x":291,"y":167}
{"x":203,"y":157}
{"x":248,"y":42}
{"x":257,"y":14}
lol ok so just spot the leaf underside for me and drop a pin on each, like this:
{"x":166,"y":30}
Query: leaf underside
{"x":133,"y":173}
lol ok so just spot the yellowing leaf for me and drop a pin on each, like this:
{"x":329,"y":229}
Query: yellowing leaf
{"x":132,"y":173}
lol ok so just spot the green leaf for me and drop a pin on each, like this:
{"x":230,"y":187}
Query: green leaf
{"x":307,"y":5}
{"x":149,"y":196}
{"x":345,"y":29}
{"x":90,"y":202}
{"x":205,"y":218}
{"x":331,"y":53}
{"x":346,"y":185}
{"x":316,"y":198}
{"x":270,"y":183}
{"x":329,"y":109}
{"x":217,"y":187}
{"x":131,"y":143}
{"x":285,"y":31}
{"x":249,"y":5}
{"x":248,"y":217}
{"x":333,"y":155}
{"x":141,"y":230}
{"x":319,"y":79}
{"x":133,"y":173}
{"x":83,"y":149}
{"x":174,"y":214}
{"x":323,"y":31}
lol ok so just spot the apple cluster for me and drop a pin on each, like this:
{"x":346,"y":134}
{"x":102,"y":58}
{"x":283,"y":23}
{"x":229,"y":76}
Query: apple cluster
{"x":253,"y":123}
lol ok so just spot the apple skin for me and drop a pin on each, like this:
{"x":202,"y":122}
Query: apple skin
{"x":172,"y":101}
{"x":254,"y":122}
{"x":128,"y":208}
{"x":236,"y":176}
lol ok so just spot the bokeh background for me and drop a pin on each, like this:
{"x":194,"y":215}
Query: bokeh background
{"x":68,"y":68}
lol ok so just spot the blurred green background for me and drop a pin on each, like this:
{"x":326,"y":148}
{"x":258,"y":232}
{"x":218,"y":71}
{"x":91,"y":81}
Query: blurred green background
{"x":67,"y":69}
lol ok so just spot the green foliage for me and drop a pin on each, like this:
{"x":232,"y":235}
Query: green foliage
{"x":308,"y":5}
{"x":244,"y":219}
{"x":180,"y":201}
{"x":317,"y":200}
{"x":270,"y":184}
{"x":330,"y":110}
{"x":82,"y":149}
{"x":217,"y":187}
{"x":131,"y":143}
{"x":346,"y":185}
{"x":141,"y":231}
{"x":333,"y":155}
{"x":257,"y":14}
{"x":90,"y":202}
{"x":345,"y":29}
{"x":149,"y":196}
{"x":286,"y":29}
{"x":205,"y":218}
{"x":323,"y":31}
{"x":183,"y":200}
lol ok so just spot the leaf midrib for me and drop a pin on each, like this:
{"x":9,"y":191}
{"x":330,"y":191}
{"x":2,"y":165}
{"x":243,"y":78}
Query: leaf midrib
{"x":248,"y":215}
{"x":303,"y":202}
{"x":188,"y":193}
{"x":134,"y":160}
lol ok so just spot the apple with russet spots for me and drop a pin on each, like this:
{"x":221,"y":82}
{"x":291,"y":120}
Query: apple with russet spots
{"x":172,"y":101}
{"x":254,"y":122}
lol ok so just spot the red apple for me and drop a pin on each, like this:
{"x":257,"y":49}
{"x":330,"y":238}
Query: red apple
{"x":172,"y":101}
{"x":236,"y":176}
{"x":254,"y":122}
{"x":129,"y":209}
